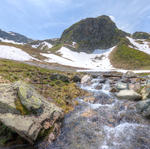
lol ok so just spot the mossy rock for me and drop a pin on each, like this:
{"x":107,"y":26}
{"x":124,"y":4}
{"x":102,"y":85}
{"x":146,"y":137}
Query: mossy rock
{"x":29,"y":98}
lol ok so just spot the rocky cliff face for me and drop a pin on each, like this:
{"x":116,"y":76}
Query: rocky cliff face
{"x":93,"y":33}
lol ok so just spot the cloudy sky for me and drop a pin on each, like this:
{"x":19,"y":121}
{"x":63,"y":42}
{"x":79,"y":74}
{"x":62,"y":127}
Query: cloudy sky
{"x":42,"y":19}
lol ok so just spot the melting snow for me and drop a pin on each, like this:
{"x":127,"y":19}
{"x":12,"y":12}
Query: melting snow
{"x":97,"y":60}
{"x":44,"y":43}
{"x":13,"y":53}
{"x":145,"y":47}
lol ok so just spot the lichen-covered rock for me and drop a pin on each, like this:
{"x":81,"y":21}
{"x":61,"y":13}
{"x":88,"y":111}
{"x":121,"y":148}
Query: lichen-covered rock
{"x":28,"y":97}
{"x":129,"y":95}
{"x":28,"y":125}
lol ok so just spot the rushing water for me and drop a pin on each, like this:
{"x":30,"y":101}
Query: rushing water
{"x":114,"y":124}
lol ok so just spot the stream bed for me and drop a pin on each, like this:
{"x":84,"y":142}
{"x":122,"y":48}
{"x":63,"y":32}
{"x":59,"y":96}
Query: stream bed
{"x":108,"y":123}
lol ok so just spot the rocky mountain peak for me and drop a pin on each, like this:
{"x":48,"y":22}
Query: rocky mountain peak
{"x":93,"y":33}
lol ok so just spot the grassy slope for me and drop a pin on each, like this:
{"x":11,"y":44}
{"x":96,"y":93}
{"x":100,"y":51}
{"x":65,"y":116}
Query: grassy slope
{"x":57,"y":91}
{"x":129,"y":58}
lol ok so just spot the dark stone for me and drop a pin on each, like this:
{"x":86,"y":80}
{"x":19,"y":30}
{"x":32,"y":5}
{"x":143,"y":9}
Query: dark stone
{"x":76,"y":79}
{"x":59,"y":77}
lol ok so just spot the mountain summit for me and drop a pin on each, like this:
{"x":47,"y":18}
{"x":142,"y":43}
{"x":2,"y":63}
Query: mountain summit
{"x":93,"y":33}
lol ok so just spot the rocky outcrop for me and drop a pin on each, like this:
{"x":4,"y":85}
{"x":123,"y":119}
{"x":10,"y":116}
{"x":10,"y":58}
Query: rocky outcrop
{"x":27,"y":113}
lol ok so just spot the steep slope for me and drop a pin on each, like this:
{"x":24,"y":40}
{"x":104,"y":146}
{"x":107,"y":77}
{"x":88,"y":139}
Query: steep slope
{"x":13,"y":37}
{"x":93,"y":33}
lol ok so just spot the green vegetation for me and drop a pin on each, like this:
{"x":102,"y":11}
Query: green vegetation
{"x":58,"y":91}
{"x":128,"y":58}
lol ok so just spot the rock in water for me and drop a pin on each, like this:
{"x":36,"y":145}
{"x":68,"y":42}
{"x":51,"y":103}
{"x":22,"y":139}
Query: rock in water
{"x":129,"y":95}
{"x":85,"y":79}
{"x":143,"y":107}
{"x":17,"y":102}
{"x":121,"y":86}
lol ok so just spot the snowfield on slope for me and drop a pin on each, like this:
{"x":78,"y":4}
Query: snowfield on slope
{"x":44,"y":43}
{"x":10,"y":41}
{"x":12,"y":53}
{"x":99,"y":59}
{"x":145,"y":47}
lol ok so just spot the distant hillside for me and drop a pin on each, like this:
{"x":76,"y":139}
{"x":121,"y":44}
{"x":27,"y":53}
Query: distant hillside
{"x":93,"y":33}
{"x":4,"y":36}
{"x":141,"y":35}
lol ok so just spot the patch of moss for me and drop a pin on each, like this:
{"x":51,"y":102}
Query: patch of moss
{"x":21,"y":108}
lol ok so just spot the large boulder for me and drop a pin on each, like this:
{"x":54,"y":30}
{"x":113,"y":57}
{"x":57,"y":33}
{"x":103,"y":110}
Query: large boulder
{"x":143,"y":107}
{"x":129,"y":95}
{"x":17,"y":100}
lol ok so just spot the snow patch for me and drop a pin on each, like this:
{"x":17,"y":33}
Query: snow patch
{"x":12,"y":53}
{"x":144,"y":47}
{"x":99,"y":59}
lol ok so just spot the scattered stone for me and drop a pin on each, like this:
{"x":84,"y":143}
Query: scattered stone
{"x":59,"y":77}
{"x":129,"y":95}
{"x":130,"y":74}
{"x":98,"y":87}
{"x":121,"y":86}
{"x":113,"y":90}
